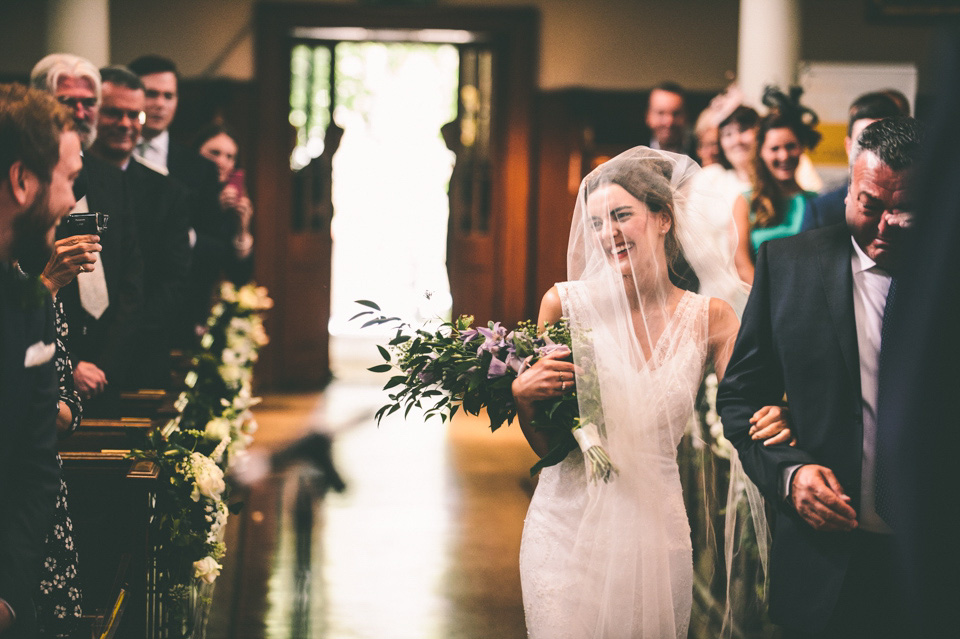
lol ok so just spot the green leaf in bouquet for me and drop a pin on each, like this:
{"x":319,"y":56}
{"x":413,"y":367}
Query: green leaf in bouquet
{"x":399,"y":339}
{"x":471,"y":404}
{"x":368,"y":304}
{"x":558,"y":452}
{"x":380,"y":368}
{"x":360,"y":314}
{"x":395,"y":381}
{"x":384,"y":353}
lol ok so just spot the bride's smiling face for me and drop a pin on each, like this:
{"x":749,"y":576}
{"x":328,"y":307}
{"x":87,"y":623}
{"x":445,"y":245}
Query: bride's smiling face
{"x":630,"y":234}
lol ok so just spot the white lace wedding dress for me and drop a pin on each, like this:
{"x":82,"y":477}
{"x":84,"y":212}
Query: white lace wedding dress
{"x":614,"y":560}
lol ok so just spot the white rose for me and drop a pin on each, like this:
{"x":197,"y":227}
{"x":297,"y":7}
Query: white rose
{"x":241,"y":325}
{"x":233,"y":376}
{"x":217,"y":429}
{"x":249,"y":424}
{"x":207,"y":569}
{"x":227,"y":292}
{"x":264,"y":301}
{"x":207,"y":477}
{"x":259,"y":335}
{"x":233,"y":358}
{"x":247,"y":297}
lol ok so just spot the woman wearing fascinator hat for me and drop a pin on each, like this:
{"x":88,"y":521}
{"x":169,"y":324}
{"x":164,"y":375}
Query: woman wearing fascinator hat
{"x":609,"y":559}
{"x":774,"y":205}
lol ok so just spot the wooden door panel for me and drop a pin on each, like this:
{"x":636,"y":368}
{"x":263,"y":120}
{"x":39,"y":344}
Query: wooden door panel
{"x":488,"y":264}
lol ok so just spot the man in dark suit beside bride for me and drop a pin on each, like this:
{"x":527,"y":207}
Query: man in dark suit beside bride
{"x":811,"y":333}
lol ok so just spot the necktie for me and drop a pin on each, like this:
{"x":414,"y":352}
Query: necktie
{"x":92,"y":285}
{"x":883,"y":487}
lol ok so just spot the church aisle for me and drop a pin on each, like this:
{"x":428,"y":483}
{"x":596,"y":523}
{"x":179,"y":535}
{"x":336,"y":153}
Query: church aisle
{"x":423,"y":544}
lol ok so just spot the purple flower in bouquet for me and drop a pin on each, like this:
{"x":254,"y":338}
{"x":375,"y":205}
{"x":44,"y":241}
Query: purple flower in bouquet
{"x":550,"y":347}
{"x":497,"y":368}
{"x":457,"y":365}
{"x":426,"y":375}
{"x":515,"y":363}
{"x":493,"y":339}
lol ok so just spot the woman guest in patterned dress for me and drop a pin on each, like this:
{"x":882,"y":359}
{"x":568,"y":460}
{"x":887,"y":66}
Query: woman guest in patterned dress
{"x":59,"y":603}
{"x":60,"y":597}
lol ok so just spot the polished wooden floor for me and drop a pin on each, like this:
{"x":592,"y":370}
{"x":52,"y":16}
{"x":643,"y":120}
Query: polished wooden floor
{"x":422,"y":544}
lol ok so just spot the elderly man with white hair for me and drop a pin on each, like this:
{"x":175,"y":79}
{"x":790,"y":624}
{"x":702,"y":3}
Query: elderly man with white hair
{"x":75,"y":82}
{"x":102,"y":305}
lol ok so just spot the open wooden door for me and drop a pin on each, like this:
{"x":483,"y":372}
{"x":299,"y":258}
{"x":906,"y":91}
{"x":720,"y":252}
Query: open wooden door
{"x":489,"y":241}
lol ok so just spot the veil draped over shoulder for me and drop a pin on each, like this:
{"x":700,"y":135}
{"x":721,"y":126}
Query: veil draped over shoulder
{"x":625,"y":565}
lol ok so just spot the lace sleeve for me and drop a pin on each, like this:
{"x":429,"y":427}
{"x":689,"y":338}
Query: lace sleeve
{"x":68,"y":392}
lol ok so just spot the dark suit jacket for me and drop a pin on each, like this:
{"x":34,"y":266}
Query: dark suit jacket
{"x":160,"y":210}
{"x":29,"y":473}
{"x":108,"y":341}
{"x":213,"y":255}
{"x":799,"y":337}
{"x":917,"y":424}
{"x":825,"y":209}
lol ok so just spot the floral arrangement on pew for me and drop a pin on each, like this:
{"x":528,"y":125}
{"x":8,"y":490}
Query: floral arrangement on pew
{"x":194,"y":450}
{"x":458,"y":365}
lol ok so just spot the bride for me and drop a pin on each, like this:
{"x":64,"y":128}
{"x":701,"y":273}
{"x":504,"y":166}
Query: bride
{"x":614,"y":559}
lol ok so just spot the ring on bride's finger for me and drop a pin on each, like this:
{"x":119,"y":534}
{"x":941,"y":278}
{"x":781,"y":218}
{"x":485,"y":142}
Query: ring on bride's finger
{"x":563,"y":385}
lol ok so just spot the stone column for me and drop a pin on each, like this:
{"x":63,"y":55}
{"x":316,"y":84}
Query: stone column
{"x":81,"y":27}
{"x":769,"y":47}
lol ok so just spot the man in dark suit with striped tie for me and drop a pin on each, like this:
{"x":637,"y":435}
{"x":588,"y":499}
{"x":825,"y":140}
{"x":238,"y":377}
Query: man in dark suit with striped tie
{"x":811,"y":332}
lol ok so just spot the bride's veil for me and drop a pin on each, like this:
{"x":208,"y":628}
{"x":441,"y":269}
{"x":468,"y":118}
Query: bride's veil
{"x":639,"y":350}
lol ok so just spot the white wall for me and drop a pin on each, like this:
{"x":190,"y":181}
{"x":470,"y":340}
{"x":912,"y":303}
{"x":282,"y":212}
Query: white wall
{"x":604,"y":44}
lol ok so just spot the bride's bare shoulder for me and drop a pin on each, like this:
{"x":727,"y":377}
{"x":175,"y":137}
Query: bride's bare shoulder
{"x":551,"y":309}
{"x":723,"y":320}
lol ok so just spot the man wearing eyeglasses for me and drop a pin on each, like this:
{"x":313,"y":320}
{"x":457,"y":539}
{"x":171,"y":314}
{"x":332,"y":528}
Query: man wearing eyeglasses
{"x":160,"y":210}
{"x":102,"y":306}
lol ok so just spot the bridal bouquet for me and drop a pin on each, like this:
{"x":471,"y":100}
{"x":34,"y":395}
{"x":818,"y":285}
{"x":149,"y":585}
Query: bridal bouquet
{"x":459,"y":366}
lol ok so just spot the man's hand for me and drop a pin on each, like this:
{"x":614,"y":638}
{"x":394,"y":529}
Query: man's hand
{"x":819,"y":499}
{"x":89,"y":379}
{"x":71,"y":256}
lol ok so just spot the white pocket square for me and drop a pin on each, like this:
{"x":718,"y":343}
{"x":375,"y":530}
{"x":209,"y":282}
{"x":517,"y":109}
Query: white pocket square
{"x":38,"y":354}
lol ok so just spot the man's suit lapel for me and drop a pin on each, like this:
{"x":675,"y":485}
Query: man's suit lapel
{"x":837,"y":278}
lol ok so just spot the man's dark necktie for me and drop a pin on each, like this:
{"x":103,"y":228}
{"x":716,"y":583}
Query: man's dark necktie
{"x":883,"y":487}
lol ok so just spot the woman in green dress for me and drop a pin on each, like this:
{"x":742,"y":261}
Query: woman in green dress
{"x":774,"y":206}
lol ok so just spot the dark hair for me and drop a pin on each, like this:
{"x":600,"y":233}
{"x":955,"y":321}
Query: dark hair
{"x":899,"y":99}
{"x":209,"y":131}
{"x":669,"y":87}
{"x":766,"y":202}
{"x":646,"y":179}
{"x":121,"y":76}
{"x":895,"y":141}
{"x":743,"y":116}
{"x":31,"y":123}
{"x":874,"y":106}
{"x":149,"y":64}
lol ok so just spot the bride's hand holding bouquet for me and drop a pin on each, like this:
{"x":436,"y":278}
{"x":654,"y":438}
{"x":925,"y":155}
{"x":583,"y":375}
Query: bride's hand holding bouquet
{"x":523,"y":371}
